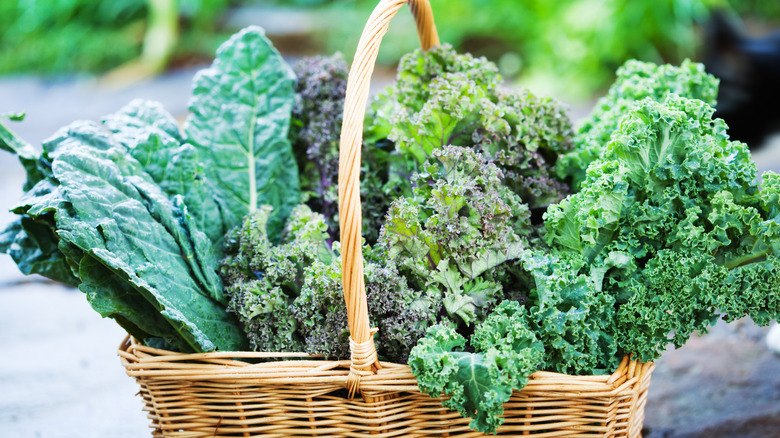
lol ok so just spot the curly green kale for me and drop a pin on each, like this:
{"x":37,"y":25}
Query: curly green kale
{"x":262,"y":280}
{"x":478,"y":383}
{"x":289,"y":297}
{"x":316,"y":126}
{"x":635,"y":81}
{"x":444,"y":98}
{"x":461,"y":224}
{"x":570,"y":314}
{"x":399,"y":312}
{"x":673,"y":225}
{"x":321,"y":313}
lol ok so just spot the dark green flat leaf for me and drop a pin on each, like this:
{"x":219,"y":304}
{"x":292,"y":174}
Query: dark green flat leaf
{"x":113,"y":298}
{"x":125,"y":221}
{"x":152,"y":137}
{"x":28,"y":156}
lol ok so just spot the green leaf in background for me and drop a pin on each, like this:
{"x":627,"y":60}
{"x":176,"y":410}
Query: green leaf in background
{"x":240,"y":117}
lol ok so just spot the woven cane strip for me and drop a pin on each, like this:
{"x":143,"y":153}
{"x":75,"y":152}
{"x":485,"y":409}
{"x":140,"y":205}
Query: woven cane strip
{"x":350,"y":216}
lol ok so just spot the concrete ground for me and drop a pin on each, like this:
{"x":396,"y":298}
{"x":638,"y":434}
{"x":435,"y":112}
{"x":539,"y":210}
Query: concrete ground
{"x":60,"y":376}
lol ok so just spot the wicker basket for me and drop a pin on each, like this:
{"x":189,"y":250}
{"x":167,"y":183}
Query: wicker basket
{"x":233,"y":394}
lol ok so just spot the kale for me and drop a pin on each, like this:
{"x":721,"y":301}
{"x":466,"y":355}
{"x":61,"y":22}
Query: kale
{"x":478,"y":383}
{"x":673,"y":224}
{"x":288,"y":296}
{"x":634,"y":81}
{"x":460,"y":225}
{"x":133,"y":210}
{"x":262,"y":280}
{"x":316,"y":126}
{"x":443,"y":98}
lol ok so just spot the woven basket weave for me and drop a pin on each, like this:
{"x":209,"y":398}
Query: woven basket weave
{"x":234,"y":394}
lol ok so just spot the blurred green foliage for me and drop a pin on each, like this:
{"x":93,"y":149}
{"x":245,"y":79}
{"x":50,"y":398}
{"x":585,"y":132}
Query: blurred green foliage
{"x":564,"y":47}
{"x":62,"y":36}
{"x":568,"y":48}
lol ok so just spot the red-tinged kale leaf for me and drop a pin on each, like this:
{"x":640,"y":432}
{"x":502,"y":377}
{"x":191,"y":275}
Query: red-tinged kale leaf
{"x":477,"y":380}
{"x":316,"y":126}
{"x":444,"y":98}
{"x":460,"y":224}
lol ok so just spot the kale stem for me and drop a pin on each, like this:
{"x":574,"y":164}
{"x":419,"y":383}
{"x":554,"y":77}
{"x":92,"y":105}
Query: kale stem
{"x":745,"y":259}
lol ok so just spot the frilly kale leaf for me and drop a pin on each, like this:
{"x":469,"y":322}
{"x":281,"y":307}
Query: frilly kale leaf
{"x":570,"y":314}
{"x":635,"y":81}
{"x":672,"y":221}
{"x":443,"y":98}
{"x":478,"y":383}
{"x":460,"y":224}
{"x":316,"y":126}
{"x":262,"y":280}
{"x":400,"y":313}
{"x":289,"y":296}
{"x":320,"y":312}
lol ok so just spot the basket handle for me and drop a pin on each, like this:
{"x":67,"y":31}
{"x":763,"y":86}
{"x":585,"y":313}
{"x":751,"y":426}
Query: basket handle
{"x":364,"y":359}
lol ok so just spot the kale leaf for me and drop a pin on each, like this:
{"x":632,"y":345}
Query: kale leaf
{"x":134,"y":212}
{"x":477,"y":383}
{"x":673,"y":224}
{"x":460,"y":225}
{"x":316,"y":127}
{"x":634,"y":81}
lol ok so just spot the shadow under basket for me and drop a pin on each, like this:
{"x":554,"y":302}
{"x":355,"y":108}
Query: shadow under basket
{"x":243,"y":394}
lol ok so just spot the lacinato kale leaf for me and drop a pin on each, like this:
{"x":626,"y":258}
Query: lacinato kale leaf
{"x":134,"y":212}
{"x":124,"y":242}
{"x":152,"y":137}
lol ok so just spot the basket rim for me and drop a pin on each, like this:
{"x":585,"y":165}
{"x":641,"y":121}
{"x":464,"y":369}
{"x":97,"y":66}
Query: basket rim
{"x":147,"y":363}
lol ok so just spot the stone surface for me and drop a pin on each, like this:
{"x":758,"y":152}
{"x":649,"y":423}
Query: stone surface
{"x":773,"y":339}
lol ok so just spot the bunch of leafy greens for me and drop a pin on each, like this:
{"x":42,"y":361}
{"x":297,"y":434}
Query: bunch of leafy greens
{"x":669,"y":231}
{"x":134,"y":211}
{"x":672,"y":224}
{"x":443,"y":98}
{"x":289,"y":297}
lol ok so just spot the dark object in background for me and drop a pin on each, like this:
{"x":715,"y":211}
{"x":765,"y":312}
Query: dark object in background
{"x":749,"y":71}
